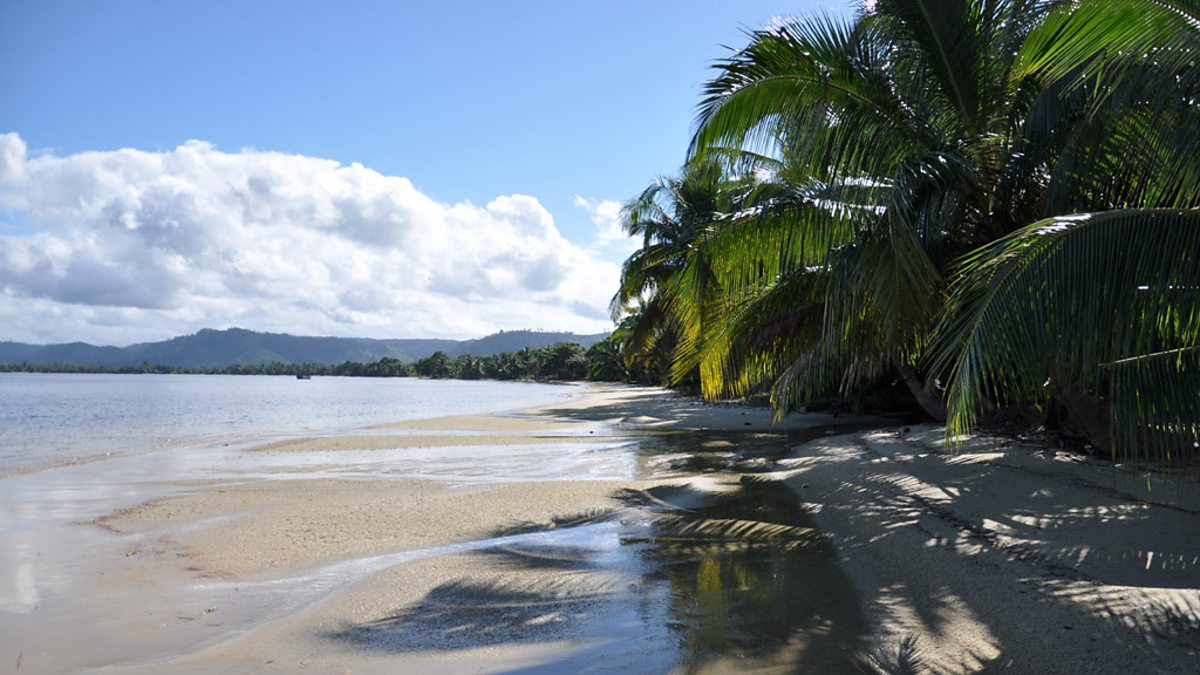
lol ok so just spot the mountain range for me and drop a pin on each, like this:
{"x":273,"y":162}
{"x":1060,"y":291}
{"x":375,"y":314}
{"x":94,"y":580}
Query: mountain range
{"x":211,"y":348}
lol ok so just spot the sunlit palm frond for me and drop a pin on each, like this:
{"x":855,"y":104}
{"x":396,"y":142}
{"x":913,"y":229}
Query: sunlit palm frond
{"x":1110,"y":35}
{"x":759,"y":333}
{"x":1056,"y":301}
{"x":801,"y":76}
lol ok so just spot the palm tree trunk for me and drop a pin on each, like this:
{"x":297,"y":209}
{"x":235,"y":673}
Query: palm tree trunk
{"x":932,"y":405}
{"x":1089,"y":414}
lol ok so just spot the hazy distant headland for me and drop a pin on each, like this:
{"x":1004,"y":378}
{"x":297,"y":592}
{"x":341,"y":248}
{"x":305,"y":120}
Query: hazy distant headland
{"x":220,"y":348}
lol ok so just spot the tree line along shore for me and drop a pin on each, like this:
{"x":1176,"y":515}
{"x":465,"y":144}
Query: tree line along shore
{"x":559,"y":362}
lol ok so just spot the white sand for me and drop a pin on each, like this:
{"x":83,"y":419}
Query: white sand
{"x":287,"y":526}
{"x":1001,"y":557}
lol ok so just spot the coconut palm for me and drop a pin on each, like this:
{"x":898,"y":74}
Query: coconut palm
{"x":1103,"y":304}
{"x":918,"y":133}
{"x":665,"y":283}
{"x":605,"y":362}
{"x":909,"y":110}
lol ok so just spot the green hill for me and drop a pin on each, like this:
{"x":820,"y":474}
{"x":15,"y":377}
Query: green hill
{"x":219,"y":348}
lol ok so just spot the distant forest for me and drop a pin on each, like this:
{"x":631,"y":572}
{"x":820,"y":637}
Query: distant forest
{"x":215,"y":350}
{"x":561,"y":361}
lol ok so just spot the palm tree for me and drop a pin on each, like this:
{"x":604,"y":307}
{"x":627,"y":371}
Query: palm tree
{"x":605,"y":362}
{"x":1105,"y":303}
{"x":909,"y":110}
{"x":666,"y":283}
{"x":920,"y":132}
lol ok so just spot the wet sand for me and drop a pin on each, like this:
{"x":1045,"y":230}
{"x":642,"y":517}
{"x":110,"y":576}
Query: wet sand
{"x":287,"y":526}
{"x":723,"y":544}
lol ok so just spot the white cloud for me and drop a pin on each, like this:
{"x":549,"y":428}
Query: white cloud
{"x":610,"y":226}
{"x":130,"y":245}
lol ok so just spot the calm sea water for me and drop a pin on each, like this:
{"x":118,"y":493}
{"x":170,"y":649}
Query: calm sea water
{"x":53,"y":419}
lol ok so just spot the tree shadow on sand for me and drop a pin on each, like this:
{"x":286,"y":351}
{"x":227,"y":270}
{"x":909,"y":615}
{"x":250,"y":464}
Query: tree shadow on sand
{"x":748,"y":451}
{"x":1091,"y":565}
{"x":465,"y":614}
{"x":693,"y":580}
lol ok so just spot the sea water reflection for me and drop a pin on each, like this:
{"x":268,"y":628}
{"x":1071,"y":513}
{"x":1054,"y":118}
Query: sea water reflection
{"x":732,"y":581}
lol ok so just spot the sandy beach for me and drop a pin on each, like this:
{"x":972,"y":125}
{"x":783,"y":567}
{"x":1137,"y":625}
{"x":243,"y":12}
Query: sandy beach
{"x":817,"y":545}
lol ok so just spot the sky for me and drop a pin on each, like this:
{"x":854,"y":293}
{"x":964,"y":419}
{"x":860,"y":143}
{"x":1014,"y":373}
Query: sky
{"x":372,"y":169}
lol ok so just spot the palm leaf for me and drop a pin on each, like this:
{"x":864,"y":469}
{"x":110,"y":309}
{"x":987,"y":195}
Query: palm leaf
{"x":1057,"y":299}
{"x":795,"y":75}
{"x":1153,"y":405}
{"x":1108,"y":35}
{"x":946,"y":31}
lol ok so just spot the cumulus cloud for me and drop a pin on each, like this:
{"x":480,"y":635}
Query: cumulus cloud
{"x":610,"y":226}
{"x":130,"y":245}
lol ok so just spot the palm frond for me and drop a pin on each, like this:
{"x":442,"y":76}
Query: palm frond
{"x":758,"y":333}
{"x":1110,"y":35}
{"x":798,"y":76}
{"x":946,"y":31}
{"x":1152,"y":402}
{"x":1059,"y":298}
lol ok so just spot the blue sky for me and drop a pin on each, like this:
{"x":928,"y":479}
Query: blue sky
{"x":470,"y":101}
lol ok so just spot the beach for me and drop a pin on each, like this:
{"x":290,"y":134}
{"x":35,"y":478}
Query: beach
{"x":725,"y":543}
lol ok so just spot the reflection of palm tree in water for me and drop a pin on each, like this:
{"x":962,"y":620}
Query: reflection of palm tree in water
{"x":712,"y":624}
{"x":735,"y":579}
{"x":748,"y":578}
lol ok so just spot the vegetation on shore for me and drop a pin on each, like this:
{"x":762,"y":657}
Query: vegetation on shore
{"x":559,"y":362}
{"x":210,"y":348}
{"x":993,"y":204}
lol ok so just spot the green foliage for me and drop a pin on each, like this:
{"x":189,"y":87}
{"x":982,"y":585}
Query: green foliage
{"x":605,"y":363}
{"x":558,"y":362}
{"x":995,"y":194}
{"x":385,"y":367}
{"x":880,"y":155}
{"x":1039,"y":311}
{"x":434,"y":365}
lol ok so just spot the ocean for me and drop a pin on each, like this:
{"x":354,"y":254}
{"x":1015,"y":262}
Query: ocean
{"x":49,"y":420}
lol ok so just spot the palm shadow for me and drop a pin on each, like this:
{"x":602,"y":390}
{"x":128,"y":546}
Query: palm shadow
{"x":686,"y":580}
{"x":1082,"y":554}
{"x":757,"y":451}
{"x":466,"y":614}
{"x":749,"y":580}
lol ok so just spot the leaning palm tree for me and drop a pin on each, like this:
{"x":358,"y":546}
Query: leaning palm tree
{"x":941,"y":128}
{"x":905,"y":113}
{"x":1103,"y":304}
{"x":665,"y":283}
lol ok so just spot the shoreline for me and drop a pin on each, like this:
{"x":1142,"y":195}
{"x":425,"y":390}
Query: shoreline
{"x":966,"y":561}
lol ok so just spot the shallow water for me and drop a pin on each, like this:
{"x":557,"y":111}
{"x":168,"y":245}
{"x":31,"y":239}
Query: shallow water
{"x":634,"y":590}
{"x":653,"y":594}
{"x":735,"y":579}
{"x":54,"y":419}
